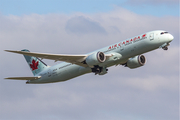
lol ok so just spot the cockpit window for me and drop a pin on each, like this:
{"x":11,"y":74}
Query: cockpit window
{"x":164,"y":33}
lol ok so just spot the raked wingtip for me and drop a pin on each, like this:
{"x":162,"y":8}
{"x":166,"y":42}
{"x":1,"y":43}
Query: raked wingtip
{"x":13,"y":51}
{"x":9,"y":50}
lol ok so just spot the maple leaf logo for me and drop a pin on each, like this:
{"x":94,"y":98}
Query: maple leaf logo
{"x":144,"y":35}
{"x":34,"y":65}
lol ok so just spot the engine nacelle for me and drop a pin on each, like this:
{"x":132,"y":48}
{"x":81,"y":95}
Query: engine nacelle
{"x":95,"y":58}
{"x":136,"y":61}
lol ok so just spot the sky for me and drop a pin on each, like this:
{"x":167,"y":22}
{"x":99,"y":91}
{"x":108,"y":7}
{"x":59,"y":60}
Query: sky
{"x":150,"y":92}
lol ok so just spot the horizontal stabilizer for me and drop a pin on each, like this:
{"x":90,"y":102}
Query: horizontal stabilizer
{"x":24,"y":78}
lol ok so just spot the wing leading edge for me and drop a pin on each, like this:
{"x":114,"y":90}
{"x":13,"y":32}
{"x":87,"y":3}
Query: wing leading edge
{"x":74,"y":59}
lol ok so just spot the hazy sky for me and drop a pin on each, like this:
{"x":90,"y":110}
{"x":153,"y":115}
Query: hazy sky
{"x":150,"y":92}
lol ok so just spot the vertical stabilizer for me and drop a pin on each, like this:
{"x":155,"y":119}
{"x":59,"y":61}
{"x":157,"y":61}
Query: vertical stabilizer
{"x":35,"y":64}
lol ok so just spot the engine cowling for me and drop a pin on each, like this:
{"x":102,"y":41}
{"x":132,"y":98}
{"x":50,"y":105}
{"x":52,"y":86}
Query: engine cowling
{"x":95,"y":58}
{"x":136,"y":61}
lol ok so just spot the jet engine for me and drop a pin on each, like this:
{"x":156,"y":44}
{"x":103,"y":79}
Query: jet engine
{"x":95,"y":59}
{"x":136,"y":61}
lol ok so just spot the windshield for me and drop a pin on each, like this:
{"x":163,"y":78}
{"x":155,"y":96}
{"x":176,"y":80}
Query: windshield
{"x":164,"y":33}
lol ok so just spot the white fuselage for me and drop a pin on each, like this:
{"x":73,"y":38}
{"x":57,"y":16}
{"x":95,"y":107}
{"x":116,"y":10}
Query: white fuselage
{"x":122,"y":51}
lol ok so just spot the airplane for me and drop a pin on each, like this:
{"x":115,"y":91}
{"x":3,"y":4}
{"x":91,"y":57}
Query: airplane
{"x":127,"y":53}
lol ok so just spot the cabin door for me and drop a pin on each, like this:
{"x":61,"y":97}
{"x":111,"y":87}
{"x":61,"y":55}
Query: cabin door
{"x":151,"y":37}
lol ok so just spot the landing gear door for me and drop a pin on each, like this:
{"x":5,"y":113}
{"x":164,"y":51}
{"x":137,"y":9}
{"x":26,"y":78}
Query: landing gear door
{"x":151,"y":37}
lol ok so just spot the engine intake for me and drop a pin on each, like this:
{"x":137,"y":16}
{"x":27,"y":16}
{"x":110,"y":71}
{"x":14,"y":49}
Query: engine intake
{"x":136,"y":61}
{"x":95,"y":58}
{"x":101,"y":57}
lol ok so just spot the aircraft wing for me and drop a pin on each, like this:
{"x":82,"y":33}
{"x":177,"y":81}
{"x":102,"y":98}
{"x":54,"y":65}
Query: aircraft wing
{"x":74,"y":59}
{"x":24,"y":78}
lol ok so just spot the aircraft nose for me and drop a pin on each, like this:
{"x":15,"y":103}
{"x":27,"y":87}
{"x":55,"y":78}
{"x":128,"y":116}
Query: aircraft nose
{"x":170,"y":37}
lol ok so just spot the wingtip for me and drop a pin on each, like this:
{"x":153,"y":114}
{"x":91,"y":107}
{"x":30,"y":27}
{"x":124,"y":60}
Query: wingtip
{"x":9,"y":50}
{"x":13,"y":51}
{"x":8,"y":78}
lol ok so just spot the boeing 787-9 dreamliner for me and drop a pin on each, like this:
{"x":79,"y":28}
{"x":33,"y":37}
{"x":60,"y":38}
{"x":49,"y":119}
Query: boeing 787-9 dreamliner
{"x":127,"y":53}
